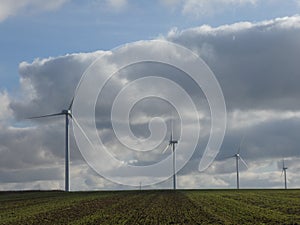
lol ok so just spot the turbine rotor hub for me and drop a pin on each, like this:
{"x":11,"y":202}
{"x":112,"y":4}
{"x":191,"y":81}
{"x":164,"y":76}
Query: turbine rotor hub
{"x":68,"y":112}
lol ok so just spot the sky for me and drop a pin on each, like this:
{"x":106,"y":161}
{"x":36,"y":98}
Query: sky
{"x":252,"y":47}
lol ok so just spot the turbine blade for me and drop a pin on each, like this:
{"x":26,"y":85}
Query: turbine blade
{"x":49,"y":115}
{"x":84,"y":134}
{"x":241,"y":142}
{"x":244,"y":162}
{"x":172,"y":127}
{"x":165,"y":149}
{"x":281,"y":173}
{"x":227,"y":157}
{"x":71,"y":104}
{"x":238,"y":150}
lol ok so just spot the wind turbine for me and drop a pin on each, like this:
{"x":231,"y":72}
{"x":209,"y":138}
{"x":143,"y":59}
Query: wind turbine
{"x":237,"y":159}
{"x":68,"y":114}
{"x":284,"y":168}
{"x":172,"y":143}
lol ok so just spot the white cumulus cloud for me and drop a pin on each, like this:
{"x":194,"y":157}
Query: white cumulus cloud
{"x":204,"y":7}
{"x":198,"y":8}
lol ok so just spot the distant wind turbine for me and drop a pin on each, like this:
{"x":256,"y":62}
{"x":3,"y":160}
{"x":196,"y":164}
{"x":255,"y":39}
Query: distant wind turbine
{"x":172,"y":143}
{"x":284,"y":168}
{"x":238,"y":158}
{"x":68,"y":114}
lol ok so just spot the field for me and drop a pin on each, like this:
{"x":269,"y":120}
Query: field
{"x":152,"y":207}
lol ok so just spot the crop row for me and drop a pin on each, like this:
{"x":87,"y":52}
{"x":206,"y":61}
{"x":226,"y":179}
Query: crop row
{"x":152,"y":207}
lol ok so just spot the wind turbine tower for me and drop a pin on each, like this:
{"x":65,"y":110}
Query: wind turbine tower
{"x":284,"y":168}
{"x":172,"y":143}
{"x":237,"y":159}
{"x":68,"y":114}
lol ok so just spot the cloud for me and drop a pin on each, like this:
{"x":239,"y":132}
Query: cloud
{"x":203,"y":7}
{"x":13,"y":7}
{"x":43,"y":83}
{"x":5,"y":111}
{"x":46,"y":86}
{"x":199,"y":8}
{"x":256,"y":65}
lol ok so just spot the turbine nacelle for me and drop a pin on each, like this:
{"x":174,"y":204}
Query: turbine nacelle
{"x":171,"y":142}
{"x":68,"y":112}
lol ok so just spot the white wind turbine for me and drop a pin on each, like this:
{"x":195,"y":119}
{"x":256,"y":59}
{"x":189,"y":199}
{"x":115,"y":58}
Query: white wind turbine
{"x":284,"y":168}
{"x":68,"y":114}
{"x":238,"y":158}
{"x":172,"y":144}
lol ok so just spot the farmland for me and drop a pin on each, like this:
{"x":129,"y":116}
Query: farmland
{"x":151,"y":207}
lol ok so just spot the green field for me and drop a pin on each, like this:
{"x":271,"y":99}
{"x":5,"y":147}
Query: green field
{"x":152,"y":207}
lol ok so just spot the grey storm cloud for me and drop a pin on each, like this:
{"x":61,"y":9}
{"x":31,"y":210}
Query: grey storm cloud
{"x":256,"y":65}
{"x":48,"y":85}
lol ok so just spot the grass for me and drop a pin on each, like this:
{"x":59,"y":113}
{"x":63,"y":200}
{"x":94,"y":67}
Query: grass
{"x":151,"y":207}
